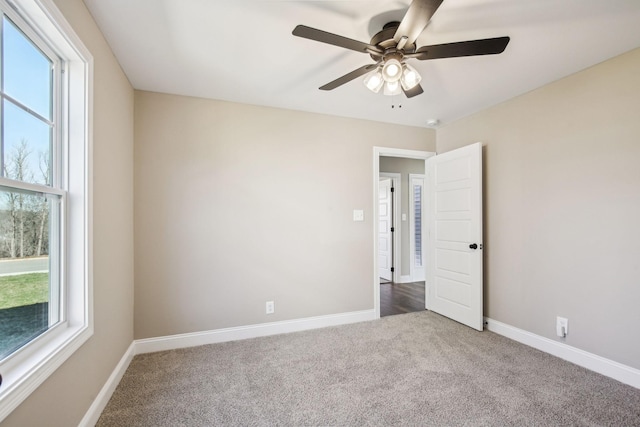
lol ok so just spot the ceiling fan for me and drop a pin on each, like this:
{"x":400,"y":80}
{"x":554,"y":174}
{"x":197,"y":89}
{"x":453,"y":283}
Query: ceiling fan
{"x":396,"y":43}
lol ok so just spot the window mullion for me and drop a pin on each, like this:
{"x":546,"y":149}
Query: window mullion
{"x":12,"y":184}
{"x":27,"y":109}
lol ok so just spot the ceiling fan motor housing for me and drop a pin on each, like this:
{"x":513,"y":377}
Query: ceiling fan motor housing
{"x":384,"y":40}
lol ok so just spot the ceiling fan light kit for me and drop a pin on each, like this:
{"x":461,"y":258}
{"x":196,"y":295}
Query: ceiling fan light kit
{"x":410,"y":77}
{"x":374,"y":81}
{"x":391,"y":70}
{"x":395,"y":44}
{"x":392,"y":88}
{"x":393,"y":76}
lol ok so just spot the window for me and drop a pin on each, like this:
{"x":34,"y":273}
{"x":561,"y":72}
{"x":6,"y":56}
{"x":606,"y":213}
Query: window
{"x":45,"y":197}
{"x":417,"y":227}
{"x":417,"y":221}
{"x":29,"y":214}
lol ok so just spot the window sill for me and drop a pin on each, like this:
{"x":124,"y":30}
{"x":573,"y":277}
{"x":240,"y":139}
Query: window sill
{"x":19,"y":380}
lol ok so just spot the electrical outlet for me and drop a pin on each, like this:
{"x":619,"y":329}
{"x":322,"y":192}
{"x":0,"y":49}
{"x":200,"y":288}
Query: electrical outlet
{"x":562,"y":326}
{"x":271,"y":308}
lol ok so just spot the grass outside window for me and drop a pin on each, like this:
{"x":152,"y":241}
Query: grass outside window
{"x":23,"y":289}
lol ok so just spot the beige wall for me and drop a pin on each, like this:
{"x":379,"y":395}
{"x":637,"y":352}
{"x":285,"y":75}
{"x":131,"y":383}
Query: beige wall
{"x":237,"y":204}
{"x":404,"y":167}
{"x":64,"y":398}
{"x":562,"y":207}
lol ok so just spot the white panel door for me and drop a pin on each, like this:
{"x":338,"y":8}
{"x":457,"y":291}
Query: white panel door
{"x":455,"y":235}
{"x":385,"y":236}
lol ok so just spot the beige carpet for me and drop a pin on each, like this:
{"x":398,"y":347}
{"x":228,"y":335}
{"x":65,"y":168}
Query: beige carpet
{"x":412,"y":369}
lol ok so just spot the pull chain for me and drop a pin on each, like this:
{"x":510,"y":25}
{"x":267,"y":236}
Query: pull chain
{"x":393,"y":98}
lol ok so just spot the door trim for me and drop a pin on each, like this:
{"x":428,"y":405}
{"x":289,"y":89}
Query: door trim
{"x":377,"y":153}
{"x":396,"y":182}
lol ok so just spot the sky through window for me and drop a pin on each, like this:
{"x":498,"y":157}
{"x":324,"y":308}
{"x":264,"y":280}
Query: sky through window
{"x":27,"y":79}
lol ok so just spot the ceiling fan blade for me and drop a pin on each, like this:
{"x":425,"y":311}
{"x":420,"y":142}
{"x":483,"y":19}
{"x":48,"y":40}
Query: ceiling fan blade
{"x":334,"y":39}
{"x":416,"y":19}
{"x":348,"y":77}
{"x":469,"y":48}
{"x":414,"y":91}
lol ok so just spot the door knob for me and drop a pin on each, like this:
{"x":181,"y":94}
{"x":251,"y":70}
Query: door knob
{"x":473,"y":246}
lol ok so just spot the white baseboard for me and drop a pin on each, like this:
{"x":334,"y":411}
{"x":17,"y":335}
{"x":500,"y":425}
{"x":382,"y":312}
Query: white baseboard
{"x":171,"y":342}
{"x":609,"y":368}
{"x":617,"y":371}
{"x":100,"y":402}
{"x":210,"y":337}
{"x":405,"y":279}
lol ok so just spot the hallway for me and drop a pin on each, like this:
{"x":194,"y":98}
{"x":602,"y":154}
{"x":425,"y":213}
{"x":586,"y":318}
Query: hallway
{"x":399,"y":298}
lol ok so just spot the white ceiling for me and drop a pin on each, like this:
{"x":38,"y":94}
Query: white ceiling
{"x":243,"y":50}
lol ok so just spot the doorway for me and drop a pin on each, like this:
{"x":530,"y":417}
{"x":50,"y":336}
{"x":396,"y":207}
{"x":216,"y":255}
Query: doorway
{"x":453,"y":245}
{"x":403,"y":294}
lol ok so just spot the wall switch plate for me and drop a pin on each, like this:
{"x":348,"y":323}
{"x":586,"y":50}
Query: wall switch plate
{"x":358,"y":215}
{"x":270,"y":307}
{"x":562,"y":326}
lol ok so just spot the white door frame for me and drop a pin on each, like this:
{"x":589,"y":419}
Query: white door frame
{"x":396,"y":250}
{"x":377,"y":153}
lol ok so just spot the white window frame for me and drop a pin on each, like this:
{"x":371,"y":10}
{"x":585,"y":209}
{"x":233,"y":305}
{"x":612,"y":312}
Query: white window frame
{"x":412,"y":229}
{"x":27,"y":368}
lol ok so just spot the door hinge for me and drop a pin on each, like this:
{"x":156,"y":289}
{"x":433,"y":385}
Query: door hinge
{"x":392,"y":269}
{"x":393,"y":189}
{"x":393,"y":229}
